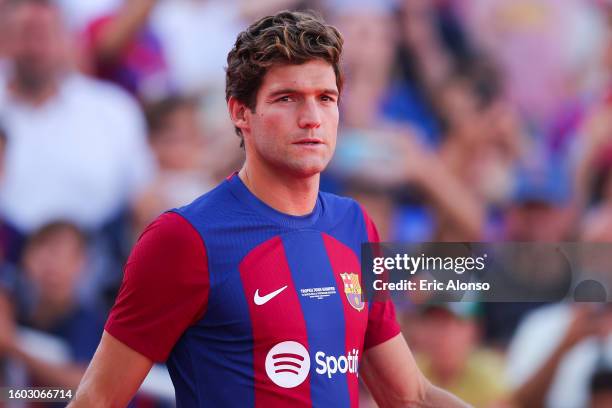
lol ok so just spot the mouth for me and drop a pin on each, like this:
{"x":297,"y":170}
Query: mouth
{"x":309,"y":142}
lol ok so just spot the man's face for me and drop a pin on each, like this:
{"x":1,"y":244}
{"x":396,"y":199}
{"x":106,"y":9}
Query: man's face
{"x":369,"y":40}
{"x":178,"y":146}
{"x":293,"y":128}
{"x":36,"y":43}
{"x":54,"y":266}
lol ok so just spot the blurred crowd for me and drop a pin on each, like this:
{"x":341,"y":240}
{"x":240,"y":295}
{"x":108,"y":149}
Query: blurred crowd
{"x":485,"y":120}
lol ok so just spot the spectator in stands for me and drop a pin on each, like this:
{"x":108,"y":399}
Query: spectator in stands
{"x":46,"y":301}
{"x":555,"y":353}
{"x":562,"y":36}
{"x":541,"y":203}
{"x":378,"y":165}
{"x":483,"y":135}
{"x":195,"y":35}
{"x":77,"y":147}
{"x":424,"y":61}
{"x":540,"y":211}
{"x":184,"y":171}
{"x":382,"y":146}
{"x":125,"y":50}
{"x":446,"y":339}
{"x":376,"y":97}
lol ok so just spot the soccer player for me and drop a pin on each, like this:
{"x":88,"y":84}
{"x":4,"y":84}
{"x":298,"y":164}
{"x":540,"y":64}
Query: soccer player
{"x":250,"y":294}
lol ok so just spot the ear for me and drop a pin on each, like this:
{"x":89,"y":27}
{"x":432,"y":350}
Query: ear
{"x":239,"y":114}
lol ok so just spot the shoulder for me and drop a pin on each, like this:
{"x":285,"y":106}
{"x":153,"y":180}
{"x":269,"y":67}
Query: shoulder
{"x":168,"y":242}
{"x":217,"y":204}
{"x":170,"y":229}
{"x":169,"y":264}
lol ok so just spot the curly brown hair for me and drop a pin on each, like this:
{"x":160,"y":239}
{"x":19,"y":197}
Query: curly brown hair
{"x":288,"y":37}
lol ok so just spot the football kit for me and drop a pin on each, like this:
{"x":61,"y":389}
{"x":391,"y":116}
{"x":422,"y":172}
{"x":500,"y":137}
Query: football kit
{"x":252,"y":307}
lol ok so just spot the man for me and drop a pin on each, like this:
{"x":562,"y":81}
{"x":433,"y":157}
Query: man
{"x":249,"y":292}
{"x":45,"y":299}
{"x":76,"y":147}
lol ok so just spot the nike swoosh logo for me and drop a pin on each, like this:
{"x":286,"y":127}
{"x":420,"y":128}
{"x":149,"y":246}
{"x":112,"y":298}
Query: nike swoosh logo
{"x":262,"y":300}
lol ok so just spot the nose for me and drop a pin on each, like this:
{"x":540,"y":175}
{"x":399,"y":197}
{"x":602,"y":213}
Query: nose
{"x":309,"y":115}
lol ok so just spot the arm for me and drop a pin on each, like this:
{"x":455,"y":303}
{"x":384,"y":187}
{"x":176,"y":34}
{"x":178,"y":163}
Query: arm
{"x":594,"y":137}
{"x":592,"y":142}
{"x":113,"y":377}
{"x":114,"y":37}
{"x":453,"y":203}
{"x":393,"y":378}
{"x":451,"y":199}
{"x":411,"y":163}
{"x":65,"y":375}
{"x":533,"y":391}
{"x":168,"y":264}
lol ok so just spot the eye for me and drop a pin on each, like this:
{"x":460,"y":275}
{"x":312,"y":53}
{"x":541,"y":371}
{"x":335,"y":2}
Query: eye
{"x":286,"y":98}
{"x":327,"y":98}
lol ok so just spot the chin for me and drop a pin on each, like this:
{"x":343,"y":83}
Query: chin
{"x":304,"y":170}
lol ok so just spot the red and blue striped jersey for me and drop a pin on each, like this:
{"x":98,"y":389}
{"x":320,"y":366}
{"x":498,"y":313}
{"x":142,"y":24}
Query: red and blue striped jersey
{"x":252,"y":307}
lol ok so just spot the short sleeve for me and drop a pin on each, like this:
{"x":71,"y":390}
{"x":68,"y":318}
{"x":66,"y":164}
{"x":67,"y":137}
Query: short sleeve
{"x":382,"y":322}
{"x":164,"y":290}
{"x":94,"y":29}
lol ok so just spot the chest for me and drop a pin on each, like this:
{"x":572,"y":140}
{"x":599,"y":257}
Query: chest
{"x":302,"y":285}
{"x":45,"y":142}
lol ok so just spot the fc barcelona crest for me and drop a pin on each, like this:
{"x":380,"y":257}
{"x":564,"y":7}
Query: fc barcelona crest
{"x":352,"y":289}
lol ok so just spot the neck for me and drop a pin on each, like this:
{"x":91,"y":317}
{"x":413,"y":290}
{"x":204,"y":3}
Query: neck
{"x":285,"y":193}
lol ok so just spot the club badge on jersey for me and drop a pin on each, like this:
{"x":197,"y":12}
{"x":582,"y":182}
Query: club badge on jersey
{"x":352,"y":289}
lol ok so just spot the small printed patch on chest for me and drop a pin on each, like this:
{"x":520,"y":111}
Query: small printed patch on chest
{"x":318,"y":293}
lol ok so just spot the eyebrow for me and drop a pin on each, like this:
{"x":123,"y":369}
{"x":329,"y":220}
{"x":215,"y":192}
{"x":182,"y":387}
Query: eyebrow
{"x":291,"y":91}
